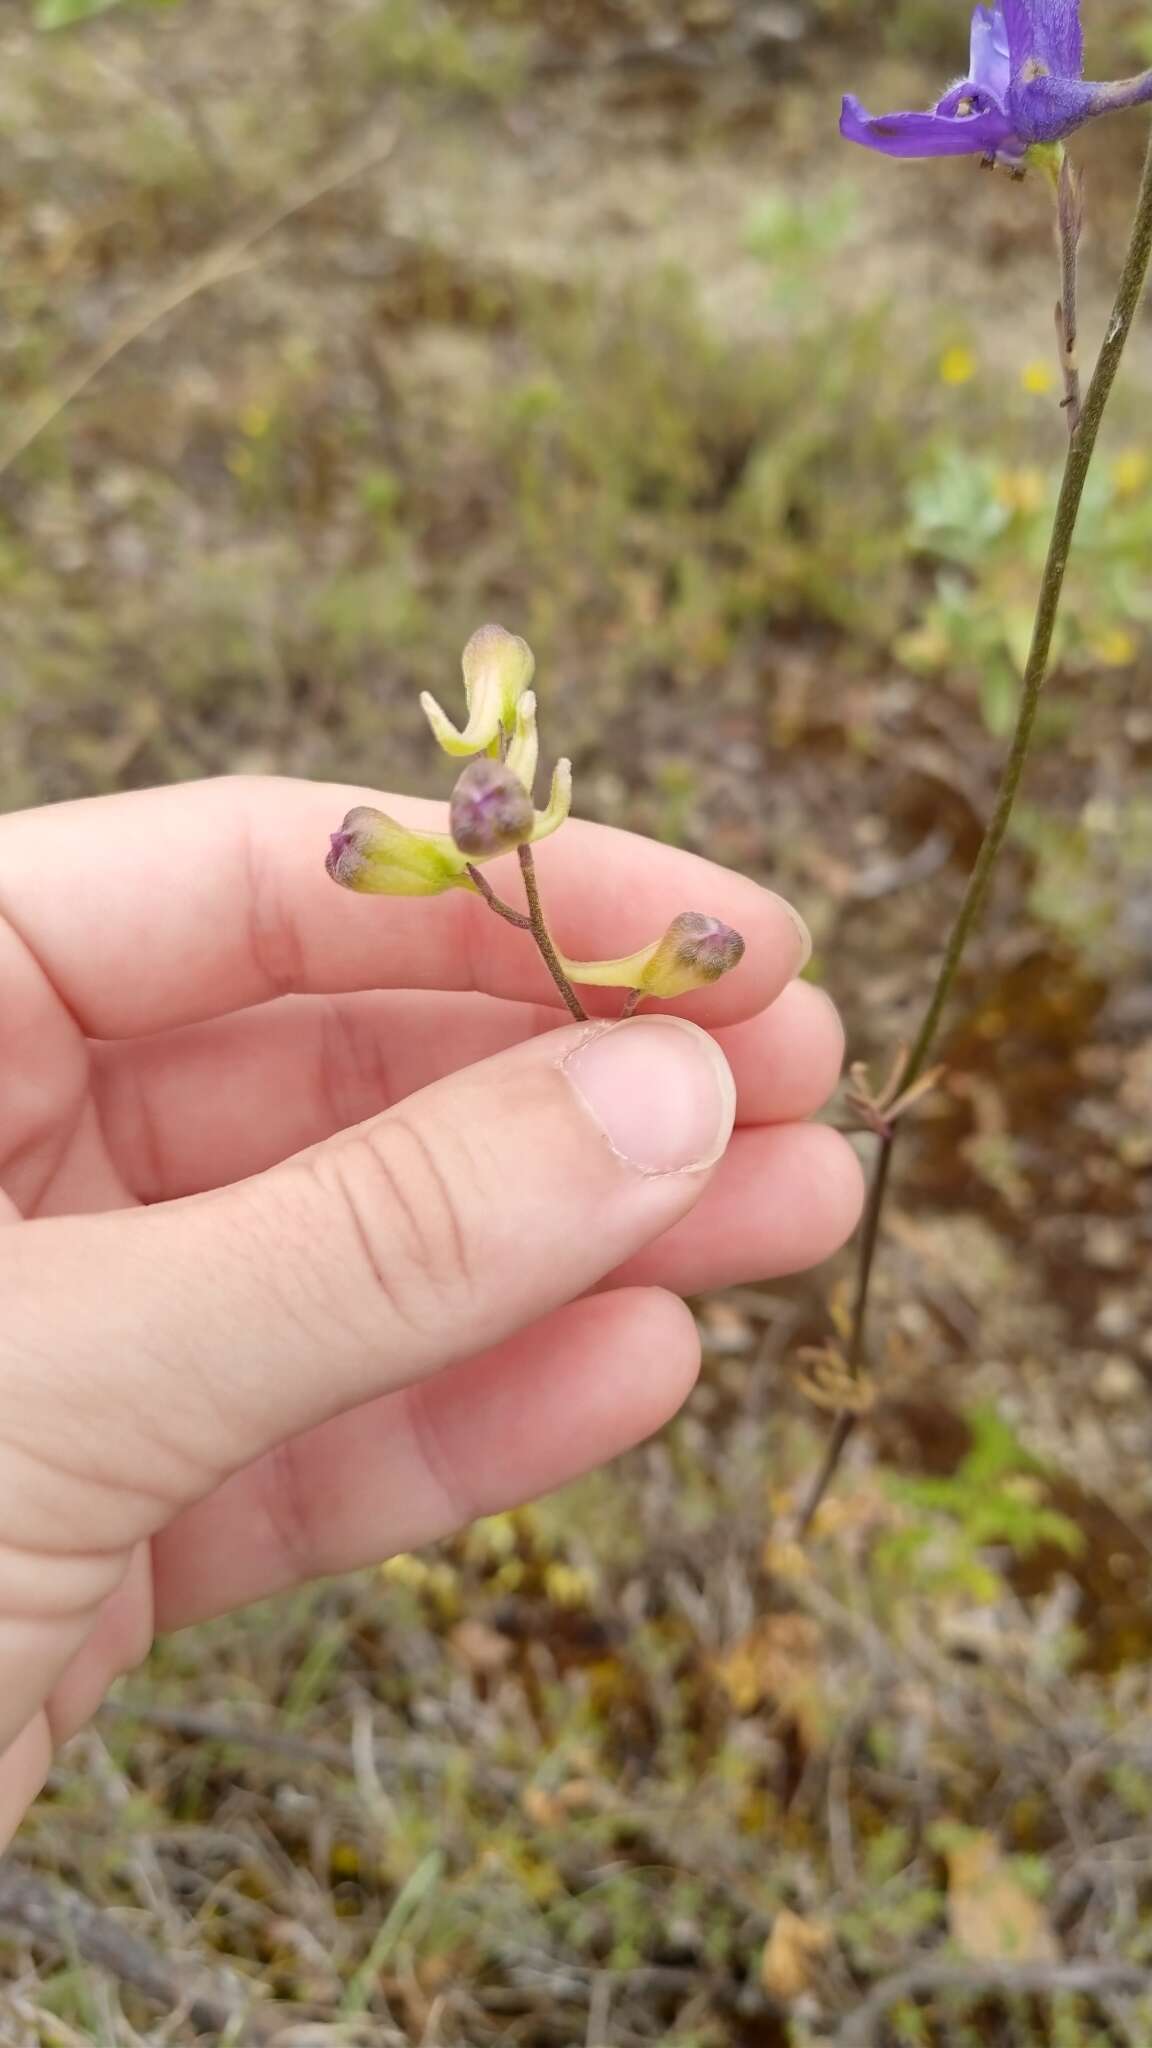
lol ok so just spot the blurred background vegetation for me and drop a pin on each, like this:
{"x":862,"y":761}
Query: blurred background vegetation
{"x":328,"y":333}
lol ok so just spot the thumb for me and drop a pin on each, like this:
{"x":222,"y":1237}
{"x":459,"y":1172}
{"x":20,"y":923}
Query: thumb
{"x":148,"y":1355}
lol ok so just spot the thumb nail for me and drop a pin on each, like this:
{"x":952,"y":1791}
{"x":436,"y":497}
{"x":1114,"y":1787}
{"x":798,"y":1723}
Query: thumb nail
{"x":660,"y":1090}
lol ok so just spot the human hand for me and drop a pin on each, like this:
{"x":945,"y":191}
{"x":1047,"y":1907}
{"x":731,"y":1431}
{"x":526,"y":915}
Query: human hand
{"x":275,"y":1158}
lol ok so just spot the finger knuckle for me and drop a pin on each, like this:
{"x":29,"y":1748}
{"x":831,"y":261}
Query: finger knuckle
{"x":400,"y":1197}
{"x":353,"y":1077}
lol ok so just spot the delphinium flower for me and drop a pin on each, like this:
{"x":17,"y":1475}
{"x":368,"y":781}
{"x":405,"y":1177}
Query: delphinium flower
{"x":492,"y":813}
{"x":1024,"y":95}
{"x":1025,"y":91}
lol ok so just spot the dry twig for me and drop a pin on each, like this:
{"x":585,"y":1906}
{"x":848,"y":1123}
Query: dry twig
{"x":215,"y":266}
{"x":984,"y":1980}
{"x":55,"y":1914}
{"x":400,"y":1753}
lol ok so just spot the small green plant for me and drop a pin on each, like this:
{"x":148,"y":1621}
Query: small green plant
{"x":984,"y":526}
{"x":994,"y":1501}
{"x":791,"y":237}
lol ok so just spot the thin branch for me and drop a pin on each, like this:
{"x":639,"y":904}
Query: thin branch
{"x":846,"y":1424}
{"x":54,"y":1914}
{"x":1076,"y":469}
{"x":193,"y":1724}
{"x":982,"y":1980}
{"x":400,"y":1753}
{"x":216,"y":266}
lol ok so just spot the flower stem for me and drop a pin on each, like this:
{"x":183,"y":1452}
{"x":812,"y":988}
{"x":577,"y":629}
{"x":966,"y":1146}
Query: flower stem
{"x":1076,"y":468}
{"x":543,"y":937}
{"x":1070,"y":227}
{"x":533,"y":922}
{"x":496,"y":903}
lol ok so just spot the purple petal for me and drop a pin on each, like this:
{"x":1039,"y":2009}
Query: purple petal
{"x":1048,"y":31}
{"x":927,"y":135}
{"x":990,"y":66}
{"x":1066,"y":38}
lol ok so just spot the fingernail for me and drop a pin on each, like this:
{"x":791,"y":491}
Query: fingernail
{"x":660,"y":1090}
{"x":803,"y":935}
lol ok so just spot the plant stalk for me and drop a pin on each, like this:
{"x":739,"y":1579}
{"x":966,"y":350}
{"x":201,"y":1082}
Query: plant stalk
{"x":543,"y":937}
{"x":1079,"y":461}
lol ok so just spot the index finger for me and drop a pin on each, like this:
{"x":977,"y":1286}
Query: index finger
{"x":168,"y":906}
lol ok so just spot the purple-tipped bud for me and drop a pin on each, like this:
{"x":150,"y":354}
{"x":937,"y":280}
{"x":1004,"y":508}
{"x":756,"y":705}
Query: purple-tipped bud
{"x":694,"y":952}
{"x":704,"y":945}
{"x":375,"y":856}
{"x":491,"y":810}
{"x":346,"y":859}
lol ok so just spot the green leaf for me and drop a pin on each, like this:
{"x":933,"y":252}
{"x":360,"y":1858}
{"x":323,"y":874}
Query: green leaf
{"x":57,"y":14}
{"x":999,"y":700}
{"x":53,"y":14}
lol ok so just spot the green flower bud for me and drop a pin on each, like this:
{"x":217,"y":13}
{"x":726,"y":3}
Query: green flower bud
{"x":498,"y":669}
{"x":491,"y":810}
{"x":375,"y":856}
{"x":694,"y":952}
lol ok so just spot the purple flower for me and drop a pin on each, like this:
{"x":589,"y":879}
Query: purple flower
{"x":1025,"y":88}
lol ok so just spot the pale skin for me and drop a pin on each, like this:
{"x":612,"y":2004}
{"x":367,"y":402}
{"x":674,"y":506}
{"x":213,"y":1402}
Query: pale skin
{"x":323,"y":1232}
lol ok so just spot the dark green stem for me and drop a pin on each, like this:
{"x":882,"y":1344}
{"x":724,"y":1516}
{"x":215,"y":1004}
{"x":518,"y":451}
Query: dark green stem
{"x":543,"y":937}
{"x":1071,"y":497}
{"x":1076,"y":468}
